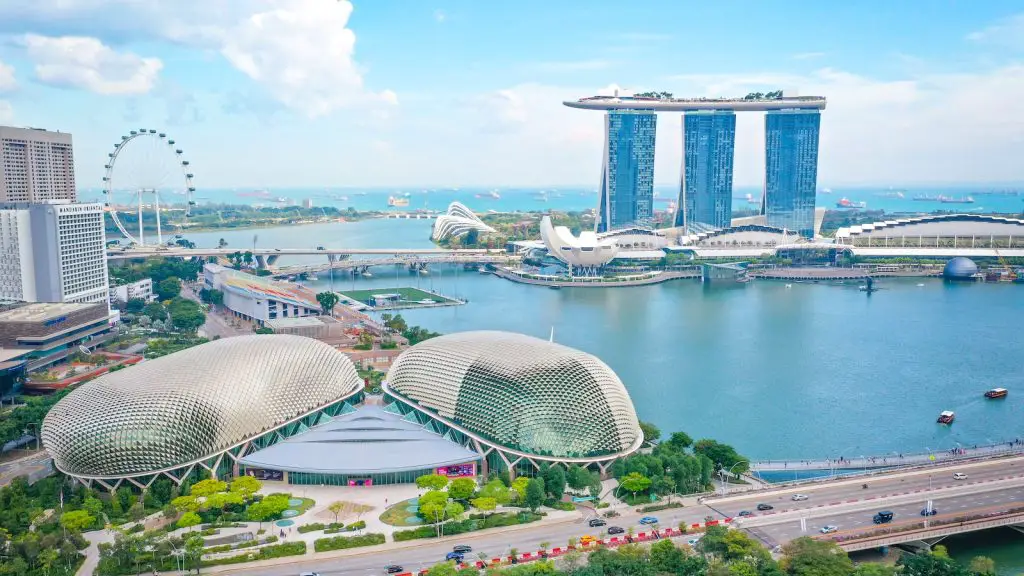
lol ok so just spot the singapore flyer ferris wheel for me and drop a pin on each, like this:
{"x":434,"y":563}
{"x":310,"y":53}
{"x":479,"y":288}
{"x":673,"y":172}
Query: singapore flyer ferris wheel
{"x":145,"y":169}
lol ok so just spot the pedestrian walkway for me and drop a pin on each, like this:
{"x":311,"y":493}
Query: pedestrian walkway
{"x":894,"y":459}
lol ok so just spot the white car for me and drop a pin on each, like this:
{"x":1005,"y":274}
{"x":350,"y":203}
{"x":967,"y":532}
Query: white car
{"x":799,"y":497}
{"x":959,"y":476}
{"x":828,"y":529}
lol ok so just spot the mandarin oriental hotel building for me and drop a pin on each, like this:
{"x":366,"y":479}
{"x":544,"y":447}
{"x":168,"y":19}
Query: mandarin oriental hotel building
{"x":292,"y":409}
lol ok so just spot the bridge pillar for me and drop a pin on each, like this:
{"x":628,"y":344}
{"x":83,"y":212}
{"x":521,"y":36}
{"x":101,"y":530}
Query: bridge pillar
{"x":1017,"y":527}
{"x":272,"y":259}
{"x":261,"y":261}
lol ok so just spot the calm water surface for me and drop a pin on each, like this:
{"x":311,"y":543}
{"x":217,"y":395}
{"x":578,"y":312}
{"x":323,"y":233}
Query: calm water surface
{"x":813,"y":370}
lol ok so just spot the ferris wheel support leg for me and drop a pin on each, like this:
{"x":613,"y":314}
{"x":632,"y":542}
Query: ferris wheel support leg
{"x":142,"y":238}
{"x":156,"y":205}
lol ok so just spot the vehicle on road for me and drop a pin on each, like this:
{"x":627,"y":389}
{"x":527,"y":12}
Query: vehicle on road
{"x":883,"y":517}
{"x":799,"y":497}
{"x":596,"y":522}
{"x":588,"y":539}
{"x":462,"y":548}
{"x":693,"y":541}
{"x":309,"y":574}
{"x":453,"y":556}
{"x":959,"y":476}
{"x":393,"y":568}
{"x":763,"y":507}
{"x":929,"y":512}
{"x":828,"y":529}
{"x":648,"y":520}
{"x":745,"y":513}
{"x":615,"y":530}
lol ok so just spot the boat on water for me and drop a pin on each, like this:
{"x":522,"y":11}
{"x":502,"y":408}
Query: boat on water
{"x":397,"y":202}
{"x":997,"y":393}
{"x":961,"y":200}
{"x":946,"y":417}
{"x":925,"y":198}
{"x":312,"y":276}
{"x":847,"y":203}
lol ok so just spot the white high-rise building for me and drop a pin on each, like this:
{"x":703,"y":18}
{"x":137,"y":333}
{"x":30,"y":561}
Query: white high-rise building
{"x":53,"y":252}
{"x":36,"y":165}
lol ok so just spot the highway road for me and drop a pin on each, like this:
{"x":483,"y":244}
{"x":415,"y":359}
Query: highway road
{"x":841,"y":503}
{"x":34,"y":466}
{"x":853,"y":520}
{"x":879,"y":486}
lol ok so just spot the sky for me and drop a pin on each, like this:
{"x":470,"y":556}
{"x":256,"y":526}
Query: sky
{"x":408,"y":93}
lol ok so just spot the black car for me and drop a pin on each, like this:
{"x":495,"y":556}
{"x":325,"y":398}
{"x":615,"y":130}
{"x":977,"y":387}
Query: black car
{"x":462,"y":549}
{"x":765,"y":507}
{"x":927,"y":512}
{"x":883,"y":517}
{"x":393,"y":569}
{"x":745,"y":513}
{"x":596,"y":522}
{"x":615,"y":530}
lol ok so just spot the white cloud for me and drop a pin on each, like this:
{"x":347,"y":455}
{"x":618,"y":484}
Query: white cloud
{"x":1008,"y":33}
{"x":7,"y":81}
{"x":440,"y":16}
{"x":88,"y":64}
{"x":6,"y":112}
{"x":301,"y":51}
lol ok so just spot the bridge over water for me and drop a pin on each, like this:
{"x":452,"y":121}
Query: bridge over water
{"x":411,"y":261}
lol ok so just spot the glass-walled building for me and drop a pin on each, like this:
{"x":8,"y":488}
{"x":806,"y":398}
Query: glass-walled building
{"x":791,"y":169}
{"x":705,"y":195}
{"x":627,"y":174}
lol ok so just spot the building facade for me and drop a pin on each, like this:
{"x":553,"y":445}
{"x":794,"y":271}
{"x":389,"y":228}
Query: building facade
{"x":37,"y":165}
{"x":140,"y":290}
{"x":627,"y":174}
{"x":705,"y":195}
{"x":53,"y":252}
{"x":791,"y":169}
{"x":257,"y":299}
{"x":48,"y":332}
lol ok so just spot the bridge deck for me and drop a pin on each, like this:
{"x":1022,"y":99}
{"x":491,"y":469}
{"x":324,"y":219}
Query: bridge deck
{"x":891,"y":460}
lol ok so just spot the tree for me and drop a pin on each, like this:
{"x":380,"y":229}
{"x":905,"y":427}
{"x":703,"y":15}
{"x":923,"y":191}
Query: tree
{"x":246,"y":486}
{"x":484,"y":504}
{"x":808,"y":557}
{"x":933,"y":564}
{"x":136,"y":512}
{"x":443,"y":569}
{"x":134,"y":305}
{"x":327,"y":300}
{"x":666,"y":557}
{"x":76,"y":520}
{"x":723,"y":455}
{"x":554,"y":481}
{"x":185,"y":503}
{"x":222,"y":243}
{"x":432,"y":482}
{"x":680,"y":440}
{"x":336,"y":508}
{"x":258,"y":512}
{"x":194,"y":551}
{"x":577,"y":477}
{"x":207,"y":487}
{"x":462,"y":488}
{"x":189,"y":519}
{"x":534,"y":496}
{"x":651,"y":432}
{"x":664,"y":486}
{"x":874,"y":569}
{"x":496,"y":490}
{"x":186,"y":315}
{"x":635,"y":482}
{"x":93,"y":506}
{"x":155,"y":310}
{"x":982,"y":565}
{"x":168,"y":288}
{"x":519,"y":487}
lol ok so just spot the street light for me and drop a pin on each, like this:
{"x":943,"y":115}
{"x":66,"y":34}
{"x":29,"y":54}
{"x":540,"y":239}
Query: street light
{"x":37,"y":434}
{"x":725,"y":486}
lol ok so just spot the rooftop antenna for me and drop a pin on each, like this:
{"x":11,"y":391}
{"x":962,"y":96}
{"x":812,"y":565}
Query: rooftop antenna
{"x":552,"y":337}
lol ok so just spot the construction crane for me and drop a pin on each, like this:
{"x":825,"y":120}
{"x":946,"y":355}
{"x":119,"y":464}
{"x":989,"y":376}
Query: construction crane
{"x":1010,"y":275}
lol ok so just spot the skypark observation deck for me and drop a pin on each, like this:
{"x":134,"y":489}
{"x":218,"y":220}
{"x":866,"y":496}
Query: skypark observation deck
{"x":697,"y":104}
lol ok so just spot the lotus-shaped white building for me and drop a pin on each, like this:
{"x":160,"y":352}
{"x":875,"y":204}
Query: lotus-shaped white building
{"x":457,"y":221}
{"x":588,"y":250}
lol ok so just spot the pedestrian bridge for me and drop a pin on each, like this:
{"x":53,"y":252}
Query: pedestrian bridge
{"x":921,"y":535}
{"x":890,"y":460}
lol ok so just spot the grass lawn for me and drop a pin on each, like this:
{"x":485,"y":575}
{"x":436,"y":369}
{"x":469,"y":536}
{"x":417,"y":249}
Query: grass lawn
{"x":407,"y":294}
{"x":402,"y":514}
{"x":307,"y":503}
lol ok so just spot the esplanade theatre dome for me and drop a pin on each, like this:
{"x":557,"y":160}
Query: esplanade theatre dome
{"x":520,"y":394}
{"x":187,"y":407}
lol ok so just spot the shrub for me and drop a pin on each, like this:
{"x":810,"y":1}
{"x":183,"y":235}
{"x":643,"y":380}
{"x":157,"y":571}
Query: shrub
{"x":603,"y":505}
{"x":344,"y":542}
{"x":266,"y":553}
{"x":475,"y":522}
{"x":657,"y":507}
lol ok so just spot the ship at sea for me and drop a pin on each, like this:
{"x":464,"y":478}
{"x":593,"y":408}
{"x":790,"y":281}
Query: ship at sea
{"x":961,"y":200}
{"x":926,"y":198}
{"x":847,"y":203}
{"x":397,"y":202}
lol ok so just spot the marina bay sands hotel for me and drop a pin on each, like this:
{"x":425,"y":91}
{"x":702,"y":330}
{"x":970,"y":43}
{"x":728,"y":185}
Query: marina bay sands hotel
{"x":709,"y":135}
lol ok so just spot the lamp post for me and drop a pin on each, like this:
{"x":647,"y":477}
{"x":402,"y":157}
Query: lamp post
{"x":725,"y":485}
{"x":36,"y":436}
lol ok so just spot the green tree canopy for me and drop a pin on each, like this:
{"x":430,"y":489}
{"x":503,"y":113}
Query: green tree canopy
{"x":808,"y":557}
{"x":189,"y":519}
{"x":534,"y":493}
{"x":462,"y":488}
{"x":635,"y":482}
{"x":76,"y":520}
{"x":208,"y":487}
{"x":432,"y":481}
{"x":168,"y":288}
{"x":723,"y":455}
{"x":327,"y":300}
{"x":651,"y":432}
{"x":186,"y":315}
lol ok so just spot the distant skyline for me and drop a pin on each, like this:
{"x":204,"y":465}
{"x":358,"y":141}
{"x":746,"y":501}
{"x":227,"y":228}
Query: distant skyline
{"x":332,"y":93}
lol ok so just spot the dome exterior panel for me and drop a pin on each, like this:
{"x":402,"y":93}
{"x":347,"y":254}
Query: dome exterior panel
{"x":520,"y":393}
{"x":194,"y":404}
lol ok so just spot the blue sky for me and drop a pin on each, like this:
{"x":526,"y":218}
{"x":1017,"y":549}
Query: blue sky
{"x":276,"y":93}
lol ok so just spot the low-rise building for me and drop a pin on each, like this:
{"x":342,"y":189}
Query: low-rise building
{"x":257,"y":299}
{"x":141,"y":290}
{"x":42,"y":333}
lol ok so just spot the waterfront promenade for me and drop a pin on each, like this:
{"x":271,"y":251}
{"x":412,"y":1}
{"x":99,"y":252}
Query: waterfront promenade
{"x":893,"y":459}
{"x":641,"y":279}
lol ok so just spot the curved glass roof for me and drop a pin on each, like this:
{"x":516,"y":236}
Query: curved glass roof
{"x":175,"y":410}
{"x":520,"y":393}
